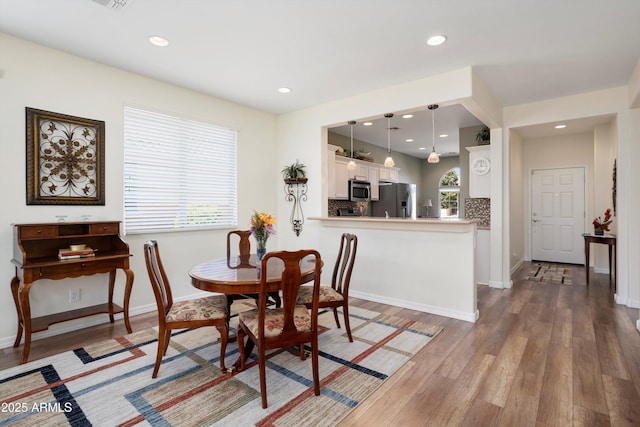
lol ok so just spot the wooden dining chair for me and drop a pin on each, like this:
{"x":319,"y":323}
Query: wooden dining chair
{"x":290,"y":325}
{"x":194,"y":313}
{"x":336,"y":295}
{"x":244,"y":253}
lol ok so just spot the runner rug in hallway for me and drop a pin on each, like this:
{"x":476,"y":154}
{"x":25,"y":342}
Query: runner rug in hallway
{"x":552,"y":273}
{"x":110,"y":384}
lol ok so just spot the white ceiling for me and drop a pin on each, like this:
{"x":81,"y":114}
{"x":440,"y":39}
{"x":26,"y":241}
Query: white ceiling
{"x":243,"y":50}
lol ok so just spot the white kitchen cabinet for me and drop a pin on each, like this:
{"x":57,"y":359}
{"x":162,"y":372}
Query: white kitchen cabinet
{"x":388,"y":174}
{"x":483,"y":256}
{"x":341,"y":183}
{"x":361,"y":173}
{"x":374,"y":175}
{"x":479,"y":171}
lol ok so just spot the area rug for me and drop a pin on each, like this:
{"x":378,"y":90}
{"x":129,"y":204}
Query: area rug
{"x":552,"y":273}
{"x":110,"y":384}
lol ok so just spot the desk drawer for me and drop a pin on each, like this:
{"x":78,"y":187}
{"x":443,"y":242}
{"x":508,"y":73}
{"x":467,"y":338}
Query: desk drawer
{"x":75,"y":268}
{"x":38,"y":231}
{"x":106,"y":228}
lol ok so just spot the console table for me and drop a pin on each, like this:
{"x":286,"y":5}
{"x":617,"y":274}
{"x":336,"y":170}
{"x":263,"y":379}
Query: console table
{"x":35,"y":256}
{"x":607,"y":239}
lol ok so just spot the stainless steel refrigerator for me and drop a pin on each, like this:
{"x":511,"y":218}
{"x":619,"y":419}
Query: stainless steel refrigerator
{"x":398,"y":200}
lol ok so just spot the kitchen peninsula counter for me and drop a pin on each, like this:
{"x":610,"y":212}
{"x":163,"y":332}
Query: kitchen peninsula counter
{"x":423,"y":264}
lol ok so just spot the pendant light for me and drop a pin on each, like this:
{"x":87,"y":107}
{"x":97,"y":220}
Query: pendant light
{"x":433,"y":156}
{"x":352,"y":164}
{"x":388,"y":162}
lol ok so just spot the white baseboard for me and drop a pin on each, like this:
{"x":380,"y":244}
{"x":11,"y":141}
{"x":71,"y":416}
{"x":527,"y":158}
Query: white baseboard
{"x":517,"y":266}
{"x":440,"y":311}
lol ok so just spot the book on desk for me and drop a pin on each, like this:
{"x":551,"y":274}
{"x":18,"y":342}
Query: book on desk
{"x":69,"y":254}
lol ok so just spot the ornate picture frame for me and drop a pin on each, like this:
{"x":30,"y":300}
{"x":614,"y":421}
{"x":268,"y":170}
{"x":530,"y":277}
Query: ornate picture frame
{"x":65,"y":159}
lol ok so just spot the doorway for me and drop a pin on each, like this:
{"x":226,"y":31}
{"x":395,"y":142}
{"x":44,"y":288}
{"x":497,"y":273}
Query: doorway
{"x":558,"y":215}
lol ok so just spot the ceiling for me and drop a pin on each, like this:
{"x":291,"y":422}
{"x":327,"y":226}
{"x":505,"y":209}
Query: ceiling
{"x":244,"y":50}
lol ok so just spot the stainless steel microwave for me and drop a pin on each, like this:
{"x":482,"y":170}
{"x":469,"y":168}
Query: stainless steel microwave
{"x":359,"y":191}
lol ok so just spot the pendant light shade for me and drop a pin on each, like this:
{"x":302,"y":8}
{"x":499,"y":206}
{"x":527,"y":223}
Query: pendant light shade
{"x":388,"y":162}
{"x":433,"y":156}
{"x":352,"y":164}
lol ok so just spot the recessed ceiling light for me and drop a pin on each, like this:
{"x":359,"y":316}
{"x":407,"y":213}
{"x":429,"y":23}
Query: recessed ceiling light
{"x":444,"y":135}
{"x":367,"y":123}
{"x":436,"y":40}
{"x":158,"y":41}
{"x":407,"y":116}
{"x":561,"y":126}
{"x":409,"y":140}
{"x":422,"y":148}
{"x":284,"y":90}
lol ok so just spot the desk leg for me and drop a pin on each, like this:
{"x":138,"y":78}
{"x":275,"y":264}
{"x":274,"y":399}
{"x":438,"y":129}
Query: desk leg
{"x":127,"y":297}
{"x":610,"y":250}
{"x":15,"y":285}
{"x":586,"y":261}
{"x":112,"y":284}
{"x":25,"y":306}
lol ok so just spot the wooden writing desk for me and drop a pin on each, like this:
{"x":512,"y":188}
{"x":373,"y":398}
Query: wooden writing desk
{"x":607,"y":239}
{"x":35,"y":256}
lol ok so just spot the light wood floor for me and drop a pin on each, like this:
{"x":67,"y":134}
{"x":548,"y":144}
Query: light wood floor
{"x":540,"y":355}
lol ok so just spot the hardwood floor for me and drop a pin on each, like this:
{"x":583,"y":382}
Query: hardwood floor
{"x":540,"y":355}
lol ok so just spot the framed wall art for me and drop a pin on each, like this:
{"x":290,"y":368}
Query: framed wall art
{"x":65,"y":159}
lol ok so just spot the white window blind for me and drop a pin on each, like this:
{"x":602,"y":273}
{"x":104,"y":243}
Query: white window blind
{"x":178,"y":174}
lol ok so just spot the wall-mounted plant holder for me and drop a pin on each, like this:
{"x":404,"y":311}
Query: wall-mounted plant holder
{"x":295,"y":190}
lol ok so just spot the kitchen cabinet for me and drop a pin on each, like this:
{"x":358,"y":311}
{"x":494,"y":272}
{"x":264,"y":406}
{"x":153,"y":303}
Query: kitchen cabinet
{"x":341,"y":182}
{"x":388,"y":174}
{"x":374,"y":178}
{"x":479,"y":171}
{"x":361,"y":173}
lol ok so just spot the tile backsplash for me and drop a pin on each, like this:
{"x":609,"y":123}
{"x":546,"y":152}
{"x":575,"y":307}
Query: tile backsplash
{"x":478,"y":208}
{"x":361,"y":208}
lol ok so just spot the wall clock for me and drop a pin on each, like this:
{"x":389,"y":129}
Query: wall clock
{"x":481,"y":166}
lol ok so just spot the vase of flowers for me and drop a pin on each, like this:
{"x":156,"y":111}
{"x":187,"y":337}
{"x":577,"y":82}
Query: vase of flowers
{"x":261,"y":228}
{"x":601,"y":225}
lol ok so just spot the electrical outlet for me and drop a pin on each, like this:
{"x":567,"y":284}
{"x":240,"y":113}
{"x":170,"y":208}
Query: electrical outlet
{"x":74,"y":295}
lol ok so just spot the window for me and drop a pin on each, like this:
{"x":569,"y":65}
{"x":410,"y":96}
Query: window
{"x":450,"y":194}
{"x":178,"y":174}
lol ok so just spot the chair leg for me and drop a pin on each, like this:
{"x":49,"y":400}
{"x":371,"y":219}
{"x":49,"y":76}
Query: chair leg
{"x":335,"y":316}
{"x":345,"y":311}
{"x":314,"y":366}
{"x":167,"y":338}
{"x":224,"y":334}
{"x":161,"y":338}
{"x":240,"y":341}
{"x":262,"y":361}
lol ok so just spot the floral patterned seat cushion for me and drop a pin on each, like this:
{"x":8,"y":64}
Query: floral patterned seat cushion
{"x":213,"y":307}
{"x":327,"y":294}
{"x":274,"y":319}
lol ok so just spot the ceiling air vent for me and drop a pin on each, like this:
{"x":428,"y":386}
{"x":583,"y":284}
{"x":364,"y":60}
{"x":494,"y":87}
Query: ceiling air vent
{"x":114,"y":4}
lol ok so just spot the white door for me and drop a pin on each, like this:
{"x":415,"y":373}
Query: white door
{"x":557,"y":215}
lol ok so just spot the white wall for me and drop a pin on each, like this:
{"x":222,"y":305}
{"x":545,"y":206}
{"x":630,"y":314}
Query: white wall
{"x":38,"y":77}
{"x":517,"y":174}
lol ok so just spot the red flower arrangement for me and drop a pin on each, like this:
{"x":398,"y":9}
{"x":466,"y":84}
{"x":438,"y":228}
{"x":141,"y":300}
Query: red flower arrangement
{"x":603,"y":224}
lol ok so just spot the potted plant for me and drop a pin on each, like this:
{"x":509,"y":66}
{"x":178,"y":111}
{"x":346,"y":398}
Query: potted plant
{"x":294,"y":173}
{"x":483,"y":136}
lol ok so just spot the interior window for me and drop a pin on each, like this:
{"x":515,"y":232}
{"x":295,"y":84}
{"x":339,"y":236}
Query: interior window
{"x":449,"y":194}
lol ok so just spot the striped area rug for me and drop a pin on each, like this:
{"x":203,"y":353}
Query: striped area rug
{"x":110,"y":384}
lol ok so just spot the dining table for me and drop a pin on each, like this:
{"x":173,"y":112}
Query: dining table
{"x":233,"y":275}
